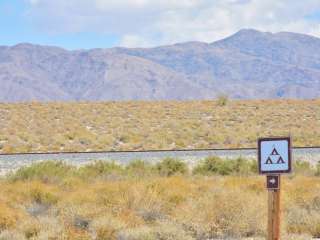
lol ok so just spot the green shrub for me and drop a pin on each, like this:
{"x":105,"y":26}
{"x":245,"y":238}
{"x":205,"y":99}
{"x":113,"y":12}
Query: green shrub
{"x":48,"y":171}
{"x":317,"y":173}
{"x":213,"y":165}
{"x":139,"y":168}
{"x":243,"y":166}
{"x":222,"y":100}
{"x":303,"y":168}
{"x":171,"y":166}
{"x":218,"y":166}
{"x":100,"y":169}
{"x":42,"y":196}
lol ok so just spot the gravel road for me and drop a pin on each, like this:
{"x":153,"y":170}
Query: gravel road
{"x":14,"y":161}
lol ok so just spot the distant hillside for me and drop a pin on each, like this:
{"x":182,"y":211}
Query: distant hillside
{"x":138,"y":125}
{"x":248,"y":64}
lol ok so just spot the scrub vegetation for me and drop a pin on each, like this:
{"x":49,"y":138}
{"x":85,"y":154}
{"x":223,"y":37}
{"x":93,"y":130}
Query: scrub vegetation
{"x":217,"y":199}
{"x":42,"y":127}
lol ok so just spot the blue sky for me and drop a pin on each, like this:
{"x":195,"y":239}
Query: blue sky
{"x":76,"y":24}
{"x":16,"y":27}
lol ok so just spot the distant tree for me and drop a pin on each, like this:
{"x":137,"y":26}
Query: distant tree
{"x":222,"y":100}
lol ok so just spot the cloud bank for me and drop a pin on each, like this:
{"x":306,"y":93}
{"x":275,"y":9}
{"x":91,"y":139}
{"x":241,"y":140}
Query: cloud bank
{"x":142,"y":23}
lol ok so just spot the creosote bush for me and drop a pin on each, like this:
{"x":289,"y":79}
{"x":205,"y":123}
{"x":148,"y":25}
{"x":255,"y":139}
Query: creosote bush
{"x":47,"y":171}
{"x":40,"y":195}
{"x":222,"y":100}
{"x":218,"y":166}
{"x":100,"y":169}
{"x":171,"y":166}
{"x":140,"y":168}
{"x":303,"y":168}
{"x":318,"y":169}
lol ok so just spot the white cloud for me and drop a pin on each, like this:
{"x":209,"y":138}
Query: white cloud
{"x":152,"y":22}
{"x":133,"y":41}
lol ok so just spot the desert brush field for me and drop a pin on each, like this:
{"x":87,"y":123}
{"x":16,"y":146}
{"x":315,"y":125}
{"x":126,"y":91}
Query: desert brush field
{"x":217,"y":199}
{"x":43,"y":127}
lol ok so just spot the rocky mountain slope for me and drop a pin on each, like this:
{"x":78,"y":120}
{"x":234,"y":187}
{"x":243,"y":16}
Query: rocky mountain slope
{"x":248,"y":64}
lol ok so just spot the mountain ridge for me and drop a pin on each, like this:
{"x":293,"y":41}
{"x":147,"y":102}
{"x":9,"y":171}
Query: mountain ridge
{"x":247,"y":65}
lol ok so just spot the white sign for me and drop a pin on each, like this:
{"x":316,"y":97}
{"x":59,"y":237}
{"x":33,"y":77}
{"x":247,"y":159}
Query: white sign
{"x":274,"y":155}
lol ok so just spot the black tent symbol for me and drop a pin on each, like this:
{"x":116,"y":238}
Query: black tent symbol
{"x":274,"y":155}
{"x":269,"y":161}
{"x":274,"y":151}
{"x":280,"y":160}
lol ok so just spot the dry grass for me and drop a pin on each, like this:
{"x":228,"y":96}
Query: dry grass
{"x":152,"y":207}
{"x":155,"y":125}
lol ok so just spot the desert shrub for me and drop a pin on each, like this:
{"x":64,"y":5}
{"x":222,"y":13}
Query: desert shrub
{"x":213,"y":165}
{"x":163,"y":230}
{"x":166,"y":230}
{"x":106,"y":228}
{"x":8,"y":217}
{"x":30,"y":229}
{"x":218,"y":166}
{"x":298,"y":237}
{"x":141,"y":233}
{"x":50,"y":228}
{"x":100,"y":169}
{"x":303,"y":168}
{"x":48,"y":171}
{"x":223,"y":214}
{"x":243,"y":166}
{"x":140,"y":168}
{"x":71,"y":233}
{"x":301,"y":220}
{"x":171,"y":166}
{"x":209,"y":166}
{"x":11,"y":235}
{"x":42,"y":196}
{"x":317,"y":173}
{"x":222,"y":100}
{"x":302,"y":209}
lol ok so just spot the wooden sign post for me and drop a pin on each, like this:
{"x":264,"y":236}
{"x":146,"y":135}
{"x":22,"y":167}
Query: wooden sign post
{"x":274,"y":158}
{"x":274,"y":217}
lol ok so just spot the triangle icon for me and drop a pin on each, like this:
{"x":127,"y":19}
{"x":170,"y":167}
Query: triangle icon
{"x":280,"y":160}
{"x":274,"y":152}
{"x":269,"y":161}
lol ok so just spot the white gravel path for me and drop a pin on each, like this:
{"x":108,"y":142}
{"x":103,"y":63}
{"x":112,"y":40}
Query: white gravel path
{"x":14,"y":161}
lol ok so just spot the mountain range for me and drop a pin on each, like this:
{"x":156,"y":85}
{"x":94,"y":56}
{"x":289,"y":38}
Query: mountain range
{"x":247,"y":65}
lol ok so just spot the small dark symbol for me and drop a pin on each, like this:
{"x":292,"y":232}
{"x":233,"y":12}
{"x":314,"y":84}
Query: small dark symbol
{"x":269,"y":161}
{"x":274,"y":152}
{"x":280,"y":160}
{"x":273,"y":182}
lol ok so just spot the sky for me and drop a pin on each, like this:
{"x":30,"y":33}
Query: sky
{"x":85,"y":24}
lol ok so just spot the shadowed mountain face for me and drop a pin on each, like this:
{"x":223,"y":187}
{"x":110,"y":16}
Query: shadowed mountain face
{"x":248,"y":64}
